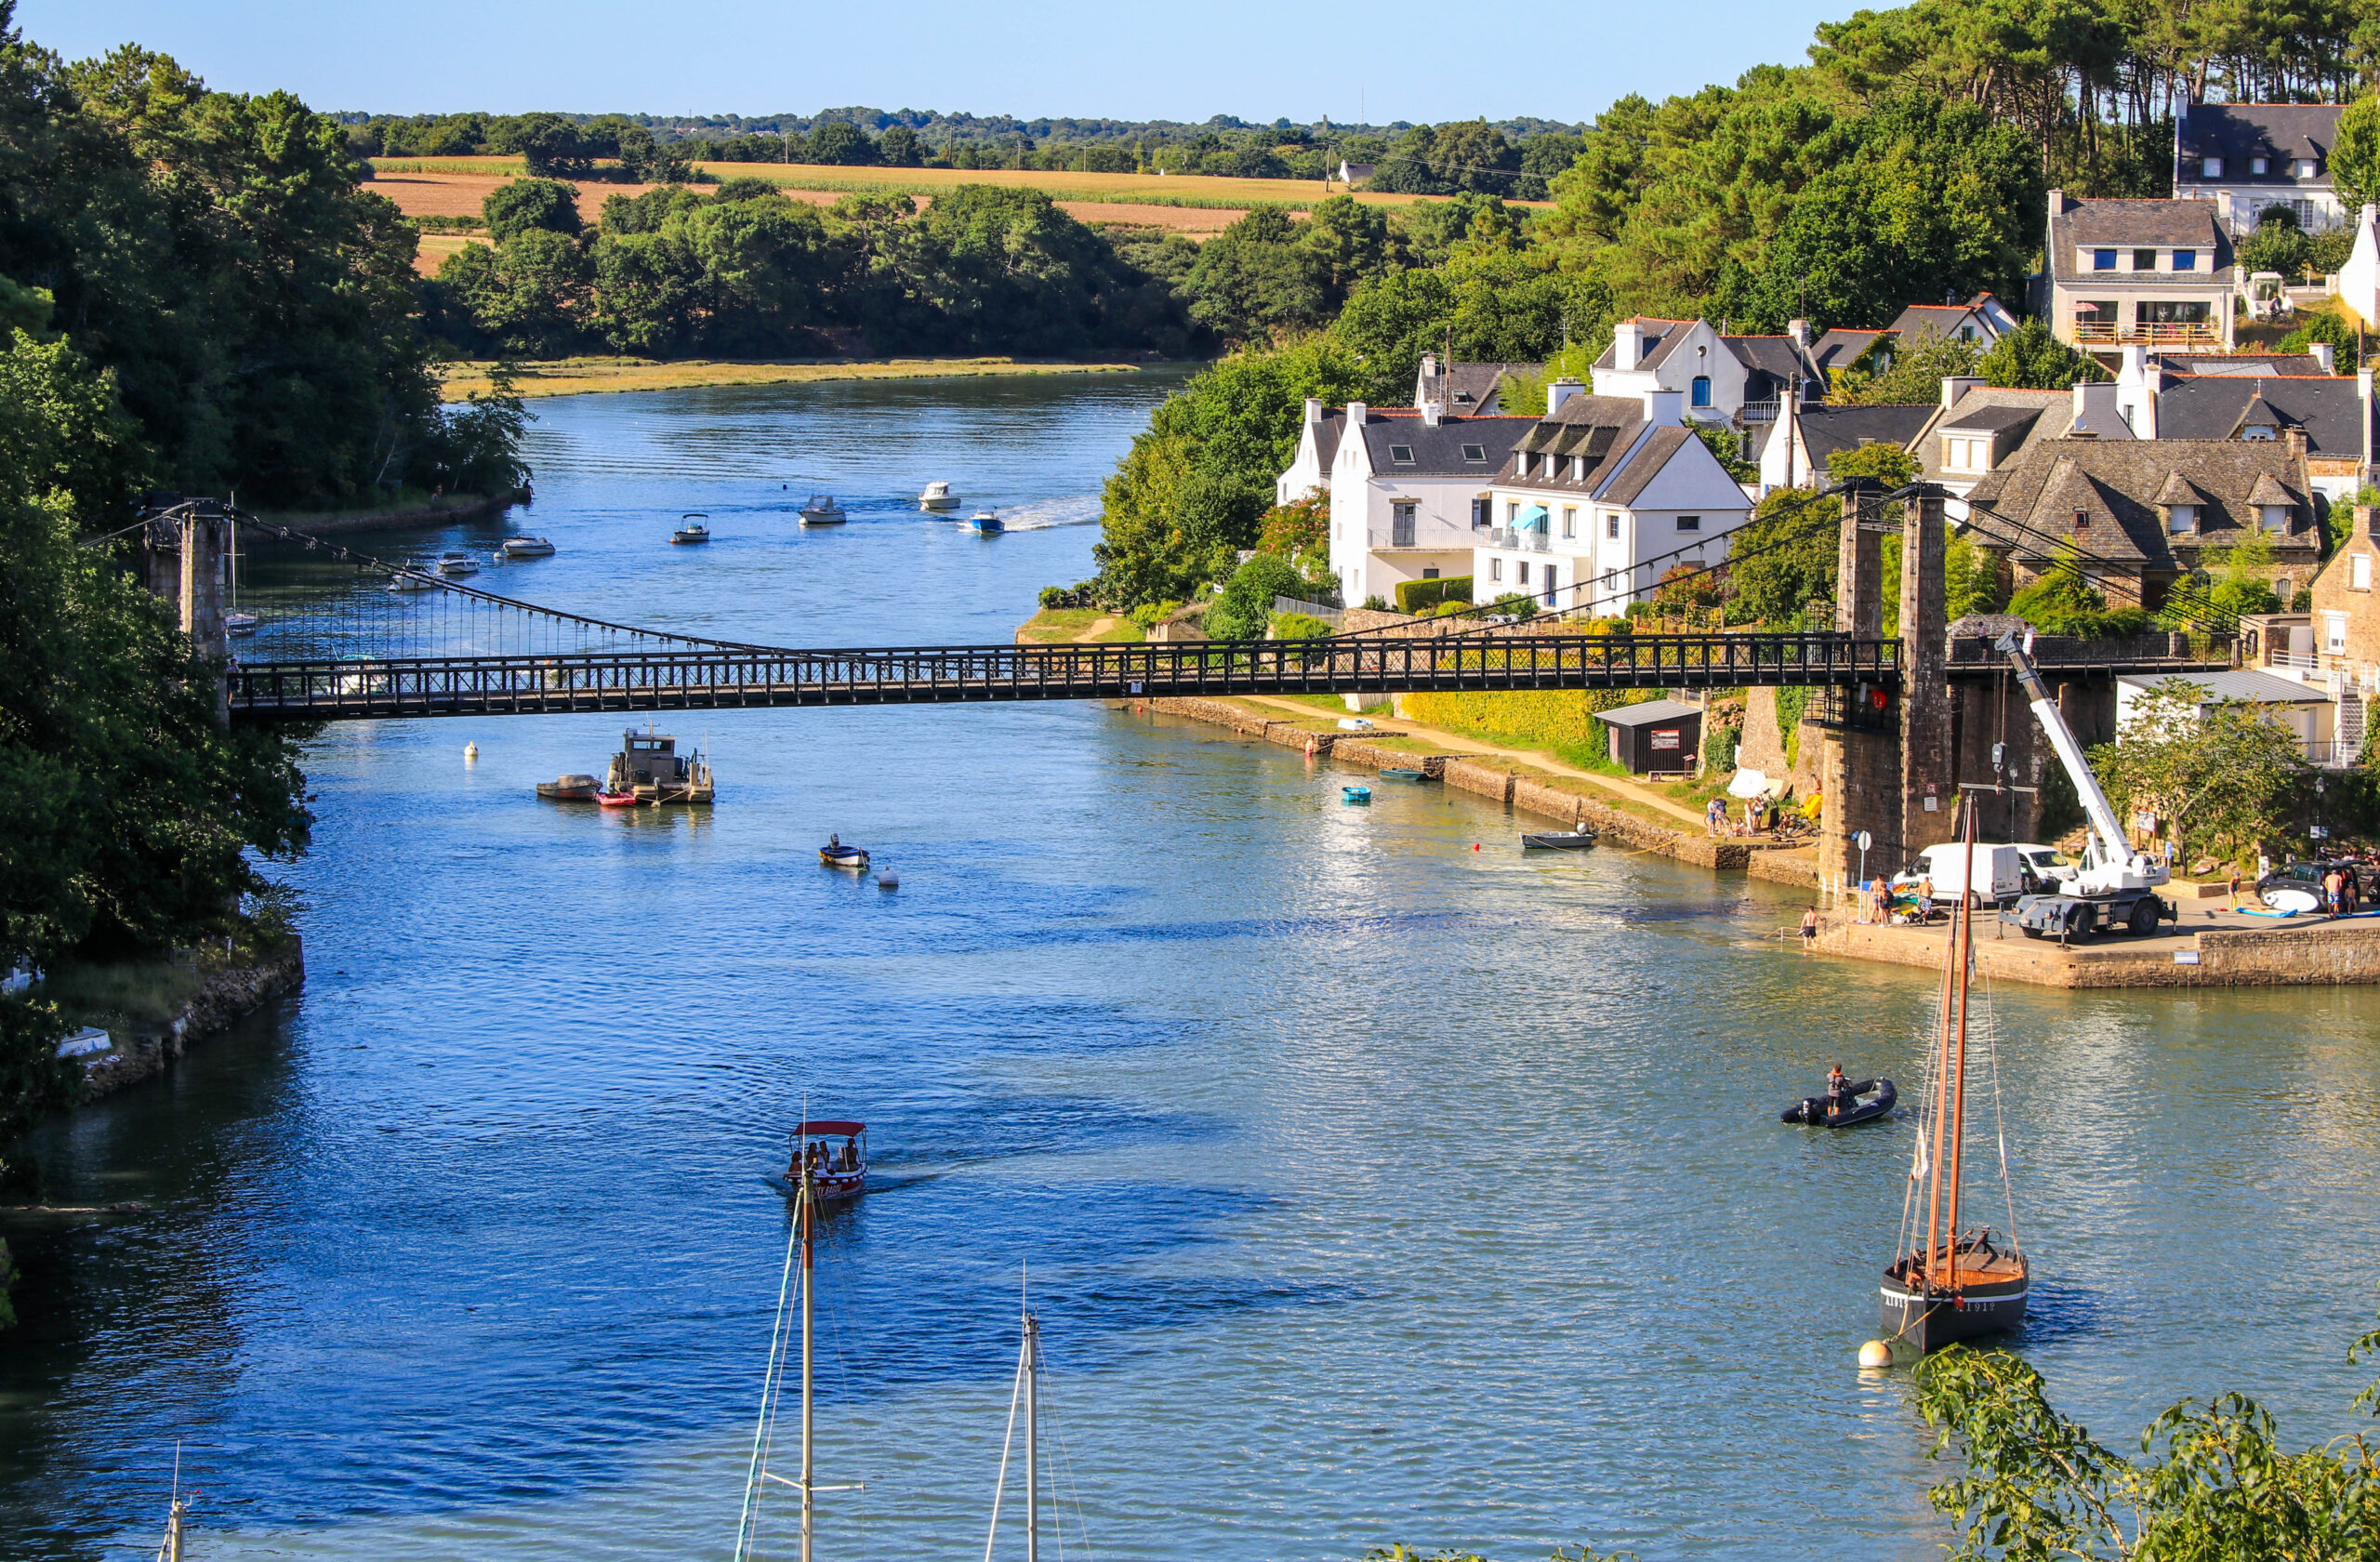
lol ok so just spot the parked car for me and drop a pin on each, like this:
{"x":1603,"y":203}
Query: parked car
{"x":2298,"y":886}
{"x":2049,"y":865}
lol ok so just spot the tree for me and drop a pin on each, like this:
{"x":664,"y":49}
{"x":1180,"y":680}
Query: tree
{"x":1782,"y":563}
{"x":2219,"y":771}
{"x":2030,"y":358}
{"x":530,"y":202}
{"x":551,"y":147}
{"x":899,"y":147}
{"x":1914,"y":375}
{"x":2355,"y":158}
{"x":648,"y":161}
{"x":1243,"y":610}
{"x":1299,"y":531}
{"x":837,"y":142}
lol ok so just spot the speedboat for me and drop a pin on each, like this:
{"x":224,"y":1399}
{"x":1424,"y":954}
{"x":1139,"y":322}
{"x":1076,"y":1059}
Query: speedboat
{"x":837,"y":1171}
{"x":987,"y":521}
{"x":850,"y":859}
{"x":1863,"y":1101}
{"x":528,"y":548}
{"x":1354,"y":794}
{"x":1557,"y":841}
{"x":239,"y":623}
{"x":937,"y":496}
{"x":413,"y":577}
{"x":822,"y":510}
{"x":570,"y":788}
{"x":692,"y":531}
{"x":454,"y":566}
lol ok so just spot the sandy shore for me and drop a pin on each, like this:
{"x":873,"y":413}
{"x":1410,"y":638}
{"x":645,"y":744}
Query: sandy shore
{"x":574,"y":377}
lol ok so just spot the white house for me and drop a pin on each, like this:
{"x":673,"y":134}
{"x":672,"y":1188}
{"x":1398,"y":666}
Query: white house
{"x":1718,"y":378}
{"x":1317,"y":449}
{"x":1598,"y":498}
{"x":1409,"y":491}
{"x":2249,"y":157}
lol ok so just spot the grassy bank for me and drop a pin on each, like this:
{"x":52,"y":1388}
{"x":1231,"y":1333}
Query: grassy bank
{"x":574,"y":376}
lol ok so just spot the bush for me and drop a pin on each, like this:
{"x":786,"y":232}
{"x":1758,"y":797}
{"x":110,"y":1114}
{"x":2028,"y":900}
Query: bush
{"x":1148,"y":615}
{"x":1245,"y":606}
{"x":1053,"y":596}
{"x":1419,"y":596}
{"x":1376,"y":603}
{"x":1719,"y":746}
{"x":1300,"y":626}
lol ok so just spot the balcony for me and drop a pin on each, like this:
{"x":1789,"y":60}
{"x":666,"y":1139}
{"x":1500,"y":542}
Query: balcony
{"x":2162,"y":333}
{"x":1420,"y":537}
{"x":1760,"y":412}
{"x":1519,"y":541}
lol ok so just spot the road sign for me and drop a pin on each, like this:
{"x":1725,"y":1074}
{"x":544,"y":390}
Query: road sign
{"x":1864,"y":840}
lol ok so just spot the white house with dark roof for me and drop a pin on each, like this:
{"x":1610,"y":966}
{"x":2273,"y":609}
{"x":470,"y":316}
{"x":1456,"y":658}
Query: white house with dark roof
{"x":2247,"y":157}
{"x":1982,"y":320}
{"x":1309,"y":470}
{"x":1718,"y":378}
{"x":1408,"y":492}
{"x":2333,"y":415}
{"x":1468,"y":390}
{"x":1598,"y":498}
{"x":1806,"y":439}
{"x":2118,"y":271}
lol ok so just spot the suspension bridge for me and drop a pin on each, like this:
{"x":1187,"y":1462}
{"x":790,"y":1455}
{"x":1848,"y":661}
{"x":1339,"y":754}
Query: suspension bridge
{"x":364,"y":639}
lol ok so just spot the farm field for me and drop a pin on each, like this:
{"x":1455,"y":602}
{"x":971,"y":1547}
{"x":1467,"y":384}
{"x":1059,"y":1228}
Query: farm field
{"x":573,"y":376}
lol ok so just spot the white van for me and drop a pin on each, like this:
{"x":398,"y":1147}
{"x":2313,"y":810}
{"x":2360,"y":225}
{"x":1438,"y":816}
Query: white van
{"x":2052,"y":867}
{"x":2002,"y":872}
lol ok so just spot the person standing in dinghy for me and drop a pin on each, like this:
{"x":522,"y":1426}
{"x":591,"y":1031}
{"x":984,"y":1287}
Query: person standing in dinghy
{"x":1838,"y":1091}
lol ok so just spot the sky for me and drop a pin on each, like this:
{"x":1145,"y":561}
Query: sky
{"x":1388,"y":61}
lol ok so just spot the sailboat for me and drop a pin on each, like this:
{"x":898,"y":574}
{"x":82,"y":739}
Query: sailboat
{"x":1945,"y":1285}
{"x":1026,"y":1392}
{"x":760,"y":1478}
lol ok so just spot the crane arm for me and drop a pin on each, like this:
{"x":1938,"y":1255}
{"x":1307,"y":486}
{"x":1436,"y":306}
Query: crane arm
{"x":2108,"y":831}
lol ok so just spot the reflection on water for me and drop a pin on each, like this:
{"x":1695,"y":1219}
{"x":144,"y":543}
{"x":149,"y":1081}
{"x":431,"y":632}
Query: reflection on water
{"x":1373,"y":1188}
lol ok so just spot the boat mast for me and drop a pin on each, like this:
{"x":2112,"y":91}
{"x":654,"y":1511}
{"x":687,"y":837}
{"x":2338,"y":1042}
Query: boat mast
{"x":1940,"y":1114}
{"x":1032,"y":1434}
{"x":1958,"y":1042}
{"x":804,"y":1213}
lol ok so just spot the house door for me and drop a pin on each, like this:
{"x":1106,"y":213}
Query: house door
{"x":1552,"y":586}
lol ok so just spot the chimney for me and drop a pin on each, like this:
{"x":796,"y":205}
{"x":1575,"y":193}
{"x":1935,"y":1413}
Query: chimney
{"x":2321,"y":351}
{"x":1354,"y":414}
{"x":1800,"y":331}
{"x":1560,"y":391}
{"x":1664,"y":409}
{"x":2094,"y":411}
{"x":1956,"y":386}
{"x":1433,"y":412}
{"x":1429,"y":365}
{"x":2363,"y":521}
{"x":2135,"y":360}
{"x":1314,"y":409}
{"x":2297,"y":445}
{"x":1626,"y":344}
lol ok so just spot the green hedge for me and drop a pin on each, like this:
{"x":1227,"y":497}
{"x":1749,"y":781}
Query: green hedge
{"x":1419,"y":596}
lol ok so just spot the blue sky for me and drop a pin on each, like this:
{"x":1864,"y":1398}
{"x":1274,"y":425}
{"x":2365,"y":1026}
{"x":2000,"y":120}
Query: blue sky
{"x":1388,"y":61}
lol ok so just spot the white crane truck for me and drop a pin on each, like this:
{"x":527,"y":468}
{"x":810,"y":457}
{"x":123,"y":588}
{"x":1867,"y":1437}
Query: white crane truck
{"x":2115,"y":886}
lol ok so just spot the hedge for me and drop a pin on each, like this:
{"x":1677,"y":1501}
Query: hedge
{"x":1419,"y":596}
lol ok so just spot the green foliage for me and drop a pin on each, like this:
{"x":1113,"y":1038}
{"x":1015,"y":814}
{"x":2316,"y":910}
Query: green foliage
{"x":1492,"y":304}
{"x":2355,"y":158}
{"x":2214,"y":1482}
{"x":1914,"y":375}
{"x":1419,"y":596}
{"x":1148,"y":615}
{"x":2325,"y":326}
{"x":1973,"y":580}
{"x":1782,"y":562}
{"x":2222,"y":773}
{"x":1299,"y":531}
{"x":1728,"y":445}
{"x":2063,"y":602}
{"x":1244,"y":608}
{"x":1300,"y":626}
{"x":531,"y":203}
{"x":2030,"y":358}
{"x":2227,"y":582}
{"x":1269,"y":273}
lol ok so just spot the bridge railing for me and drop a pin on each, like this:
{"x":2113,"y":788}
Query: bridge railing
{"x":726,"y":677}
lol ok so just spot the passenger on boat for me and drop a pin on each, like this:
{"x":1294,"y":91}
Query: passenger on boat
{"x":850,"y":1154}
{"x":1838,"y":1091}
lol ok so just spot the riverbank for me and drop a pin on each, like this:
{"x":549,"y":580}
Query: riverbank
{"x":578,"y":376}
{"x":154,"y":1012}
{"x":440,"y":512}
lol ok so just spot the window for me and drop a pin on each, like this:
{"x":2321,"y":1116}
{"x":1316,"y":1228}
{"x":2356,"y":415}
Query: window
{"x":1483,"y":510}
{"x":2305,"y":168}
{"x":1400,"y":525}
{"x":1474,"y":452}
{"x":2286,"y":589}
{"x":1512,"y":512}
{"x":2185,"y":517}
{"x":1702,"y":391}
{"x":2210,"y":167}
{"x":2272,"y":517}
{"x":2257,"y":431}
{"x":1429,"y":572}
{"x":1401,"y":454}
{"x":2259,"y":164}
{"x":2358,"y":573}
{"x":1553,"y":584}
{"x":2185,"y":259}
{"x":1965,"y":455}
{"x":2103,"y":259}
{"x":2082,"y":520}
{"x":1611,"y":581}
{"x":2144,"y":259}
{"x":1611,"y":526}
{"x":1689,"y":522}
{"x":1522,"y":578}
{"x":2334,"y":633}
{"x":1569,"y":521}
{"x":1495,"y":569}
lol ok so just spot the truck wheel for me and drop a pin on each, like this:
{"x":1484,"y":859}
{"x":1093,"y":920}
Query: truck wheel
{"x":2144,"y":917}
{"x":2032,"y":933}
{"x":2083,"y":923}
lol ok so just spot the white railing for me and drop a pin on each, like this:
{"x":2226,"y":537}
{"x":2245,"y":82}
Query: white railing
{"x":1760,"y":412}
{"x":1519,"y":541}
{"x":1435,"y":536}
{"x":1335,"y":617}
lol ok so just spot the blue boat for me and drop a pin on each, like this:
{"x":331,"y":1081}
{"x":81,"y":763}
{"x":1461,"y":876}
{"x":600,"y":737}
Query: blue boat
{"x":987,"y":521}
{"x":1356,"y":794}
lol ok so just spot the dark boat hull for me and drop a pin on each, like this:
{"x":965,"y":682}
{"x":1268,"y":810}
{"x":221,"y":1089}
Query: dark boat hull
{"x":1559,"y":840}
{"x":1882,"y":1099}
{"x":1928,"y":1323}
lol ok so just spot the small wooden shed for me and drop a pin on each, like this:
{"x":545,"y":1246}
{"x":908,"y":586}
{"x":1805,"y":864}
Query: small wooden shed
{"x":1663,"y":734}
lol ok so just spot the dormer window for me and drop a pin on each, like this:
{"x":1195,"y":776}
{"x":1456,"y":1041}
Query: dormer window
{"x":2185,"y":519}
{"x":1961,"y":454}
{"x":2144,"y":259}
{"x":2259,"y":165}
{"x":2272,"y":517}
{"x":2259,"y":431}
{"x":1401,"y":454}
{"x":2210,"y":167}
{"x":1474,"y":452}
{"x":2103,"y":259}
{"x":2304,"y":168}
{"x":2082,"y":520}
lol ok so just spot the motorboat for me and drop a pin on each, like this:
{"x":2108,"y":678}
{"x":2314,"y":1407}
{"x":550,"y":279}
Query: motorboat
{"x":570,"y":789}
{"x":850,"y":859}
{"x":454,"y":566}
{"x":937,"y":495}
{"x":1404,"y":776}
{"x":986,"y":522}
{"x":240,"y":623}
{"x":1860,"y":1101}
{"x":616,"y":800}
{"x":528,"y":548}
{"x":692,"y":531}
{"x":837,"y":1171}
{"x":1557,"y":841}
{"x":414,"y":577}
{"x":648,"y":769}
{"x":1354,"y":794}
{"x":822,"y":510}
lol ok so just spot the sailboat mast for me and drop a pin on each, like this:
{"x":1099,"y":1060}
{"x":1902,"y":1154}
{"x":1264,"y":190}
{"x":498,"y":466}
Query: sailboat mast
{"x":1032,"y":1439}
{"x":1958,"y":1056}
{"x":1941,"y":1116}
{"x":805,"y":1214}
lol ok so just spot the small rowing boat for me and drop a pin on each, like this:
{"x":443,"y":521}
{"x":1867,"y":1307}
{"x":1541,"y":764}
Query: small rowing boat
{"x":1354,"y":794}
{"x":572,"y":789}
{"x":850,"y":859}
{"x":1557,"y":841}
{"x":1404,"y":776}
{"x":1860,"y":1101}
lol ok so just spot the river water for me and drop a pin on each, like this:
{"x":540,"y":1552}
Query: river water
{"x":1373,"y":1188}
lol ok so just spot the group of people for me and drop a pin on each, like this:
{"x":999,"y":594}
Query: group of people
{"x":819,"y":1159}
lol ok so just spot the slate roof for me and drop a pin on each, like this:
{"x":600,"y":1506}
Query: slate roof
{"x":1827,"y":430}
{"x":1839,"y":349}
{"x":1974,"y":415}
{"x":1439,"y":451}
{"x":1991,"y":406}
{"x":2235,"y":365}
{"x":1651,"y":710}
{"x":2217,"y":407}
{"x":2283,"y":132}
{"x":2146,"y":224}
{"x":1776,"y":355}
{"x":1646,"y":464}
{"x":2116,"y":484}
{"x":1474,"y":389}
{"x":1941,"y":319}
{"x":1327,"y":435}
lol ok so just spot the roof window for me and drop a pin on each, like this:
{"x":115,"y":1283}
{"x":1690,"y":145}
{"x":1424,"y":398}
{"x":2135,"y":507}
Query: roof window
{"x":2210,"y":167}
{"x":2304,"y":168}
{"x":2103,"y":259}
{"x":2259,"y":164}
{"x":2082,"y":520}
{"x":2185,"y":259}
{"x":2144,"y":259}
{"x":1474,"y":452}
{"x":1401,"y":454}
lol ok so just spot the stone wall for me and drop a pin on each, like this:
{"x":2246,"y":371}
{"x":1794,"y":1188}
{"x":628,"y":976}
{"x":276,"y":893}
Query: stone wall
{"x":227,"y":996}
{"x":2318,"y":954}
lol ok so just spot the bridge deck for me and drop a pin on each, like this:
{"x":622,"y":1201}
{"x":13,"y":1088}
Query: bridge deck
{"x":729,"y":678}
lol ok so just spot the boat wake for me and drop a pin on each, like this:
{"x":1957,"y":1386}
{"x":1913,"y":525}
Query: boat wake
{"x":1048,"y":514}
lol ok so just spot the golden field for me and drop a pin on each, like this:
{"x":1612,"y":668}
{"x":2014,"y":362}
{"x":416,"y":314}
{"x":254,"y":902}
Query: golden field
{"x":574,"y":377}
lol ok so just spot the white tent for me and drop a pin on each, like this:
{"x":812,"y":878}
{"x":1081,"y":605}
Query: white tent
{"x":2360,"y":278}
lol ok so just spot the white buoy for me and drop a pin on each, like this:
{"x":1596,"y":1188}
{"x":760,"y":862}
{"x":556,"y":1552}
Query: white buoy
{"x":470,"y":753}
{"x":888,"y":881}
{"x":1875,"y":1353}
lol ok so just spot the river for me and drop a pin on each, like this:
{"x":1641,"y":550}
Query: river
{"x":1373,"y":1188}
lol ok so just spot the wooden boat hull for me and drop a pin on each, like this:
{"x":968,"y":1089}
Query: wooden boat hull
{"x":1869,"y":1099}
{"x":554,"y":791}
{"x":850,"y":859}
{"x":687,"y":796}
{"x":1559,"y":840}
{"x":1928,"y":1322}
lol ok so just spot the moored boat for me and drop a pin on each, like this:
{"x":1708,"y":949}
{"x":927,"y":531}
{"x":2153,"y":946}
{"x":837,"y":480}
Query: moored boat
{"x":837,"y":1171}
{"x":413,"y":577}
{"x":1860,"y":1101}
{"x":650,"y":769}
{"x":570,"y":789}
{"x":937,"y":495}
{"x":239,"y":623}
{"x":528,"y":548}
{"x":456,"y":565}
{"x":691,"y":530}
{"x":1404,"y":776}
{"x":850,"y":859}
{"x":822,"y":510}
{"x":616,"y":799}
{"x":1354,"y":794}
{"x":1945,"y":1284}
{"x":988,"y":522}
{"x":1557,"y":841}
